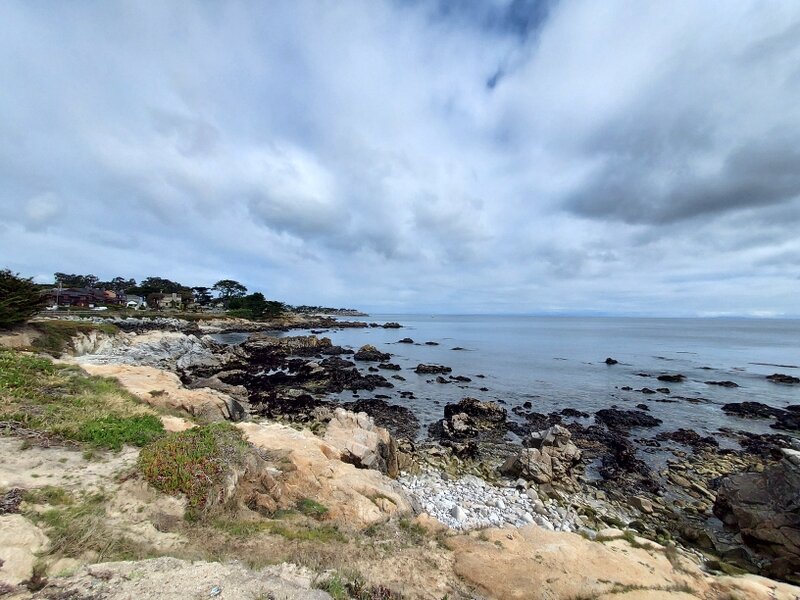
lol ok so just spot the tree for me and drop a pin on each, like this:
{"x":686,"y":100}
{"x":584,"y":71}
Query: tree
{"x":228,"y":288}
{"x":20,"y":299}
{"x":202,"y":295}
{"x":72,"y":280}
{"x":120,"y":285}
{"x":156,"y":285}
{"x":255,"y":306}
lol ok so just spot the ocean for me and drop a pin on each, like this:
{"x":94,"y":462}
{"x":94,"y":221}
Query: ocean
{"x":559,"y":362}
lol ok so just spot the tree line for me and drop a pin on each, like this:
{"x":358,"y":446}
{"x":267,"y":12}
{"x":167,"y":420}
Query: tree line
{"x":20,"y":298}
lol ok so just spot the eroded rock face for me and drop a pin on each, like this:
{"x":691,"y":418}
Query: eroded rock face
{"x":550,"y":458}
{"x":765,"y":509}
{"x":20,"y":544}
{"x":362,"y":443}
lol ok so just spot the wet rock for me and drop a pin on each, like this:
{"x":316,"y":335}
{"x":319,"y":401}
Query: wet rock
{"x":754,"y":410}
{"x":727,"y":384}
{"x":646,"y":390}
{"x":788,"y":421}
{"x":643,"y":407}
{"x":405,"y":341}
{"x":423,"y":369}
{"x":392,"y":325}
{"x":458,"y":348}
{"x":688,"y":437}
{"x":369,"y":352}
{"x":674,"y":378}
{"x":611,"y":361}
{"x":765,"y":509}
{"x":441,"y":379}
{"x":571,"y":412}
{"x":400,"y":421}
{"x":431,"y":343}
{"x":625,"y":419}
{"x":783,"y":378}
{"x":389,"y":366}
{"x":468,"y":418}
{"x":663,"y":390}
{"x":460,"y":378}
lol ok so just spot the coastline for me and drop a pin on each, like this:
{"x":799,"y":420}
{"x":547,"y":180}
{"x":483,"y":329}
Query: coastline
{"x":454,"y":476}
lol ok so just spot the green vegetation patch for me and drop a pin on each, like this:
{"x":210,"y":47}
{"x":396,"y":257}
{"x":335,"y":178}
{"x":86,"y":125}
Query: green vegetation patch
{"x":311,"y":508}
{"x":55,"y":335}
{"x":64,"y":402}
{"x":193,"y":462}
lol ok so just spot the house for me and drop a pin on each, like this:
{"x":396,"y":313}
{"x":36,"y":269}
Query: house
{"x":135,"y":302}
{"x":83,"y":297}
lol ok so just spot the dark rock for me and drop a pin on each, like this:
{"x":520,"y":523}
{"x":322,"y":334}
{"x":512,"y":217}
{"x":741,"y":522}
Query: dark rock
{"x":431,"y":343}
{"x":611,"y":361}
{"x":571,"y":412}
{"x":392,"y":325}
{"x":484,"y":389}
{"x":458,"y":348}
{"x":373,"y":369}
{"x":727,"y":384}
{"x":782,"y":378}
{"x":405,"y":341}
{"x":400,"y":421}
{"x":398,"y":377}
{"x":765,"y":509}
{"x":432,"y":369}
{"x":371,"y":353}
{"x":688,"y":437}
{"x":440,"y":379}
{"x":460,"y":378}
{"x":647,"y":391}
{"x":468,"y":418}
{"x":676,"y":378}
{"x":626,"y":388}
{"x":389,"y":366}
{"x":663,"y":390}
{"x":788,"y":421}
{"x":643,"y":407}
{"x":625,"y":419}
{"x":527,"y":404}
{"x":753,"y":410}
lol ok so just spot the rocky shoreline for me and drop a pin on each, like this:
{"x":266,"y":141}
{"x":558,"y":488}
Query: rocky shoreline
{"x":556,"y":471}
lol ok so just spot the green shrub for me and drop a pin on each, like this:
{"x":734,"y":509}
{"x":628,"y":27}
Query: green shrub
{"x":193,"y":462}
{"x":112,"y":431}
{"x":55,"y":335}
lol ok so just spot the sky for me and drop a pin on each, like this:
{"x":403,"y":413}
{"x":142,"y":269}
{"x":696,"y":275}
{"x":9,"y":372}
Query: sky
{"x":464,"y":156}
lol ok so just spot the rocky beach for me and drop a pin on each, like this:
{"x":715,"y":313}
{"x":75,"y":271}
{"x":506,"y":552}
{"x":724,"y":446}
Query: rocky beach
{"x":343,"y":419}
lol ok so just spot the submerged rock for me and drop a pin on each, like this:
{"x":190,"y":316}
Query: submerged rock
{"x":782,"y":378}
{"x":676,"y":378}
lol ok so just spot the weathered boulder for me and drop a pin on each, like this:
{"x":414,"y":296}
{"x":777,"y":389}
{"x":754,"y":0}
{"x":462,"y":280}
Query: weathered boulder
{"x":361,"y":442}
{"x":369,"y":352}
{"x":300,"y":344}
{"x":765,"y":509}
{"x":549,"y":459}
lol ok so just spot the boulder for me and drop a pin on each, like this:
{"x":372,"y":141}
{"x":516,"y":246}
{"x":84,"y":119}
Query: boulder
{"x":753,"y":410}
{"x":611,"y":361}
{"x":361,"y":442}
{"x":549,"y":459}
{"x":765,"y":509}
{"x":371,"y":353}
{"x":676,"y":378}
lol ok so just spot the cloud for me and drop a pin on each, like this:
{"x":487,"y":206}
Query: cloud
{"x":513,"y":155}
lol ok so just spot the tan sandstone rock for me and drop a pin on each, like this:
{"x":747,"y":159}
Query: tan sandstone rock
{"x":163,"y":389}
{"x":20,"y":543}
{"x":355,"y":497}
{"x":361,"y":442}
{"x":534,"y":563}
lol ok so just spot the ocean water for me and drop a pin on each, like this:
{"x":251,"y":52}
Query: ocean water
{"x":558,"y":362}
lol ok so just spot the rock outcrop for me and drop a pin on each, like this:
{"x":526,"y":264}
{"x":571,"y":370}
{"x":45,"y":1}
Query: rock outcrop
{"x":165,"y":390}
{"x":361,"y":442}
{"x":371,"y":353}
{"x":765,"y":509}
{"x":550,"y":458}
{"x":21,"y":542}
{"x":354,"y":497}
